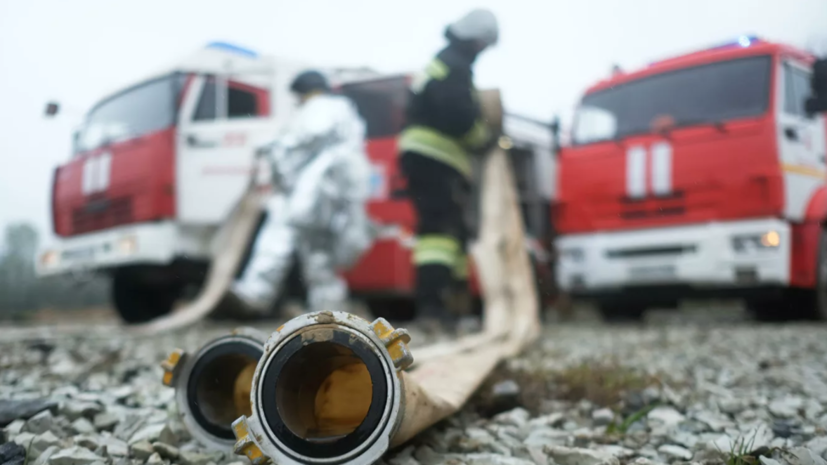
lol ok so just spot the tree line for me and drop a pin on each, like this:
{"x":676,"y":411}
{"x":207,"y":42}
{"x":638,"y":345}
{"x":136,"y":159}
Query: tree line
{"x":22,"y":292}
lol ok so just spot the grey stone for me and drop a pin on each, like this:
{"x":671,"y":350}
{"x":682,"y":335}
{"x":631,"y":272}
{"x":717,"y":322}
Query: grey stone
{"x":74,"y":455}
{"x":40,"y":423}
{"x":665,"y":416}
{"x":115,"y":447}
{"x":16,"y":427}
{"x":579,"y":456}
{"x":45,"y":440}
{"x":83,"y":426}
{"x":106,"y":421}
{"x":194,"y":458}
{"x":806,"y":456}
{"x":88,"y":441}
{"x":24,"y":439}
{"x":155,"y":458}
{"x":11,"y":410}
{"x":517,"y":417}
{"x":149,"y":433}
{"x":142,"y":450}
{"x":46,"y":455}
{"x":12,"y":452}
{"x":676,"y":452}
{"x":80,"y":409}
{"x":540,"y":437}
{"x":602,"y":417}
{"x":493,"y":459}
{"x":768,"y":461}
{"x":786,"y":407}
{"x":128,"y":426}
{"x":167,"y":451}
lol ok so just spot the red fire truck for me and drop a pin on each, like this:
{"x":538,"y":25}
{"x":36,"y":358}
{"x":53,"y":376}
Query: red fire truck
{"x":157,"y":167}
{"x":701,"y":175}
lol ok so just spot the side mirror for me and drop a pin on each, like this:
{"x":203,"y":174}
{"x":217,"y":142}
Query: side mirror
{"x":817,"y":103}
{"x":52,"y":109}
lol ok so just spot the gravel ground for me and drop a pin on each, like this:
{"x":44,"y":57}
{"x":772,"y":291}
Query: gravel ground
{"x":675,"y":391}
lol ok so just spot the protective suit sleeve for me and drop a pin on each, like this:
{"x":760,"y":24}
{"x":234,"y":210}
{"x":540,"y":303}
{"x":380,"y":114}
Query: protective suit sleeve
{"x":455,"y":110}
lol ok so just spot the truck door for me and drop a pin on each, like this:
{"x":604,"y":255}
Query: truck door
{"x":222,"y":122}
{"x":801,"y":140}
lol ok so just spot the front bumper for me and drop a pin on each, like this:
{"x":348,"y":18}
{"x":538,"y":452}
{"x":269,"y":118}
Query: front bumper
{"x":154,"y":243}
{"x":733,"y":254}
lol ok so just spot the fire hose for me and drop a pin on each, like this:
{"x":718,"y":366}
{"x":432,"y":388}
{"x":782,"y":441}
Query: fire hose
{"x":333,"y":388}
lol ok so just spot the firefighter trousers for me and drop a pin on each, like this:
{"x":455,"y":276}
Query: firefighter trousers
{"x":441,"y":197}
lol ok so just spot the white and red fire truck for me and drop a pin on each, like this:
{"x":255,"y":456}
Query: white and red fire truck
{"x":701,"y":175}
{"x":157,"y":167}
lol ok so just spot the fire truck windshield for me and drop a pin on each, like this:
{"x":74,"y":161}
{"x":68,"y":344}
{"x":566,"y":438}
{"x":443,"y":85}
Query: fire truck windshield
{"x":137,"y":111}
{"x":705,"y":94}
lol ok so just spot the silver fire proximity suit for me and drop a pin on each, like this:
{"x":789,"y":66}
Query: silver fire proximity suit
{"x":321,"y":182}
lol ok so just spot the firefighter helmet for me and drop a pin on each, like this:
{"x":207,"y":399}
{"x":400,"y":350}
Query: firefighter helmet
{"x":478,"y":25}
{"x":309,"y":81}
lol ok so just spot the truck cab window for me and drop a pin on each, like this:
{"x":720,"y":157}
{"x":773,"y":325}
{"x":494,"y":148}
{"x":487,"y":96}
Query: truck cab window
{"x":796,"y":90}
{"x":205,"y":110}
{"x":241,"y":103}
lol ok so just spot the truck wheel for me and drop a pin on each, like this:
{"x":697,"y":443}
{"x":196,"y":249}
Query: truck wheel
{"x":139,"y":302}
{"x":819,"y":305}
{"x":621,"y":313}
{"x":393,"y":309}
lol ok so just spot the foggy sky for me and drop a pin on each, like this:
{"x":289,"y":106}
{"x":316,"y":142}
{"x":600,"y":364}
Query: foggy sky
{"x":76,"y":51}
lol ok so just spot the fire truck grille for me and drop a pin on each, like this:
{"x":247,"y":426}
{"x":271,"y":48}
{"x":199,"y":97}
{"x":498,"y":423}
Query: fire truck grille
{"x":100,"y":214}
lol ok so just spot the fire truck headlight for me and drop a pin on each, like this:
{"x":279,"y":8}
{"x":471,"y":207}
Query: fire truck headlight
{"x":50,"y":259}
{"x":128,"y":245}
{"x":751,"y":242}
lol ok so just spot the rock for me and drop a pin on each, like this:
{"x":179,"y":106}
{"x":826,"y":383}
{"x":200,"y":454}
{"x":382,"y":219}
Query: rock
{"x":14,"y":428}
{"x":88,"y":441}
{"x":142,"y":450}
{"x":128,"y":426}
{"x":149,"y":433}
{"x":805,"y":457}
{"x":617,"y":451}
{"x":12,"y":453}
{"x":768,"y":461}
{"x":174,"y":433}
{"x":155,"y":458}
{"x":79,"y":409}
{"x":83,"y":426}
{"x":194,"y":458}
{"x":105,"y":421}
{"x":11,"y":410}
{"x":602,"y":417}
{"x":167,"y":451}
{"x":538,"y":455}
{"x":115,"y":447}
{"x":493,"y":459}
{"x":46,"y":455}
{"x":74,"y":456}
{"x":676,"y":452}
{"x":504,"y":396}
{"x":540,"y":437}
{"x":45,"y":440}
{"x":24,"y":439}
{"x":577,"y":456}
{"x":40,"y":423}
{"x":818,"y":445}
{"x":786,"y":407}
{"x":517,"y":417}
{"x":783,"y":428}
{"x":666,"y":416}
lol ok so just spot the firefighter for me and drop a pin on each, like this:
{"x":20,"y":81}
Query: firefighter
{"x":321,"y":174}
{"x":444,"y":128}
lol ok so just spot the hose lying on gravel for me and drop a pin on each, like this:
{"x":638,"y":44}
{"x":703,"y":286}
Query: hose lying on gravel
{"x":332,"y":387}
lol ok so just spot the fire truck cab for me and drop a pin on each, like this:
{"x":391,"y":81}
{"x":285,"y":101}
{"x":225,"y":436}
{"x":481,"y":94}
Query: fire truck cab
{"x":157,"y":167}
{"x":701,"y":175}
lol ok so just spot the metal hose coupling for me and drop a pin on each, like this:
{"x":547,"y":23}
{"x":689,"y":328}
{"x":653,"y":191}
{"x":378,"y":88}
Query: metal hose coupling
{"x":212,"y":386}
{"x":327,"y":390}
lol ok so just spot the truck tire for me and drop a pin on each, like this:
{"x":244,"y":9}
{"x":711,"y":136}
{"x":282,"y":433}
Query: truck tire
{"x":137,"y":301}
{"x":622,"y":312}
{"x":819,"y":304}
